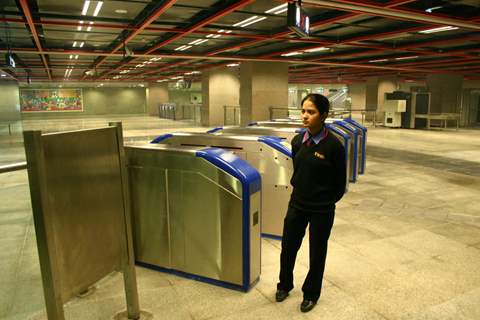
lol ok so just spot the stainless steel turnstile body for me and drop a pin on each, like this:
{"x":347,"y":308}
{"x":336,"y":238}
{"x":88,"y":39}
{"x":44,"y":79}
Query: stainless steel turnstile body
{"x":273,"y":163}
{"x":288,"y":134}
{"x":193,"y":217}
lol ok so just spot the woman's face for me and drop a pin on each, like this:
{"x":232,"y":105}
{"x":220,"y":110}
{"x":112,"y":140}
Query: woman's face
{"x":311,"y":117}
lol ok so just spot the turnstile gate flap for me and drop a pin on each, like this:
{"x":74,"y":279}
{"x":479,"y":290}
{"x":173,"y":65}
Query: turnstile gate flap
{"x":162,"y":137}
{"x":276,"y":143}
{"x":339,"y":132}
{"x":237,"y":167}
{"x":356,"y":124}
{"x":251,"y":184}
{"x":215,"y":130}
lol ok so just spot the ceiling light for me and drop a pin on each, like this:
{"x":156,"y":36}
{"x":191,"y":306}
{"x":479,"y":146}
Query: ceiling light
{"x":183,"y":48}
{"x":294,"y":53}
{"x":79,"y":28}
{"x":74,"y":43}
{"x":429,"y":10}
{"x":378,"y":60}
{"x":195,"y":41}
{"x":253,"y":21}
{"x":180,"y":48}
{"x":4,"y":75}
{"x":200,"y":42}
{"x":71,"y":56}
{"x":233,"y":65}
{"x":97,"y":8}
{"x":439,"y":29}
{"x":85,"y":7}
{"x":217,"y":36}
{"x":89,"y":28}
{"x":278,"y":9}
{"x":210,"y":35}
{"x":76,"y":57}
{"x":317,"y":49}
{"x":121,"y":11}
{"x":81,"y":44}
{"x":406,"y":58}
{"x":239,"y":24}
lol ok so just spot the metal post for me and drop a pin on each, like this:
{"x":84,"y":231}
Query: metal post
{"x":43,"y":226}
{"x":129,"y":275}
{"x":224,"y":115}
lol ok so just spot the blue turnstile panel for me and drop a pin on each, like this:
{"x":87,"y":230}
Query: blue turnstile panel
{"x":363,"y":143}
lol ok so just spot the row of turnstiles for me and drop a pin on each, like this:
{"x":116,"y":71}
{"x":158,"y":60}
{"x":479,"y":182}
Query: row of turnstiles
{"x":201,"y":201}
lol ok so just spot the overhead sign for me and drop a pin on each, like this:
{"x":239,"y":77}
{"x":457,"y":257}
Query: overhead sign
{"x":297,"y":20}
{"x":10,"y":60}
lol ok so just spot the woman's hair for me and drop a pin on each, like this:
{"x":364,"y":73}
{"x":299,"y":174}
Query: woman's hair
{"x":320,"y":102}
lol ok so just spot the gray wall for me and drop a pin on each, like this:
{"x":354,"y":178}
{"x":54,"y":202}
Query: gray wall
{"x":9,"y":101}
{"x":101,"y":101}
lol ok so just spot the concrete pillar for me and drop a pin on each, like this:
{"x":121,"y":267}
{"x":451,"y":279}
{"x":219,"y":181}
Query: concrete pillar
{"x":220,"y":87}
{"x":10,"y":101}
{"x":446,"y":90}
{"x":262,"y":85}
{"x":157,"y":93}
{"x":376,"y":87}
{"x":357,"y":93}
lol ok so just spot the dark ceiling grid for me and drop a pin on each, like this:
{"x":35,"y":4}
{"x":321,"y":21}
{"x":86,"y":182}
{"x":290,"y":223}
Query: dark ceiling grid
{"x":223,"y":8}
{"x":151,"y":13}
{"x":28,"y":17}
{"x":351,"y":49}
{"x":337,"y":17}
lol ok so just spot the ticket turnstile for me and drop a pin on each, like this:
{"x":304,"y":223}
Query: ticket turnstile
{"x":196,"y":212}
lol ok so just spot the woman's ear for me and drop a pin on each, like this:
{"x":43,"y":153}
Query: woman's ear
{"x":324,"y":116}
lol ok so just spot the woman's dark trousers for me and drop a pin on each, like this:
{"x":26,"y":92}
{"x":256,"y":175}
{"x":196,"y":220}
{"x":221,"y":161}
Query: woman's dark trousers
{"x":294,"y":227}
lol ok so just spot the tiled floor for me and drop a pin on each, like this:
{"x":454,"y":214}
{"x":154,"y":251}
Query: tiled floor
{"x":405,"y":244}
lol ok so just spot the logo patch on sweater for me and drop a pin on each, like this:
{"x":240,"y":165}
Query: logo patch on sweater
{"x":319,"y":155}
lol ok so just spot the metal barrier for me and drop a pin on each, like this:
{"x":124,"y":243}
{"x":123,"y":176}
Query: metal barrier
{"x":269,"y":155}
{"x":13,"y":167}
{"x":80,"y":204}
{"x":167,"y":111}
{"x":288,"y":134}
{"x":357,"y":157}
{"x":231,"y":115}
{"x":9,"y":125}
{"x":363,"y":144}
{"x":196,"y":213}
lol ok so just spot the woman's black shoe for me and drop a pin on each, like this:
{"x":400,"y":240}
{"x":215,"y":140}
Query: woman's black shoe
{"x":281,"y":295}
{"x":307,"y":305}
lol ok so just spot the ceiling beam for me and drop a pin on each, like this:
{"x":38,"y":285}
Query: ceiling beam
{"x":193,"y":28}
{"x":401,"y":14}
{"x":202,"y":23}
{"x":148,"y":21}
{"x":33,"y":31}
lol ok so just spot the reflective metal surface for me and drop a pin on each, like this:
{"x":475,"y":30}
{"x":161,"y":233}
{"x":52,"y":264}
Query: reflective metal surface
{"x":274,"y":167}
{"x":13,"y":167}
{"x":80,"y":214}
{"x":188,"y":214}
{"x":288,"y":134}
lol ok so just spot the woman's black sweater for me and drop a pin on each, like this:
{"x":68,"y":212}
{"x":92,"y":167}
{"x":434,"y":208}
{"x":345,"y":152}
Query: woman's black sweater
{"x":319,"y":174}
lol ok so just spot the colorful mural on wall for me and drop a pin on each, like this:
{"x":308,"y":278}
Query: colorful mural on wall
{"x":50,"y":100}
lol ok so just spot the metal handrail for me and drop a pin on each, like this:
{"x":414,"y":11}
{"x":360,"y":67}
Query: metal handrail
{"x":13,"y":167}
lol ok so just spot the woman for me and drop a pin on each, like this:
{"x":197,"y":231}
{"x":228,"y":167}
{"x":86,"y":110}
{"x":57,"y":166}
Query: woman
{"x":318,"y":180}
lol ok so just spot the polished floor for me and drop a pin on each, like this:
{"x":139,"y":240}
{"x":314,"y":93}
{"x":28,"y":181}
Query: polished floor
{"x":405,"y":243}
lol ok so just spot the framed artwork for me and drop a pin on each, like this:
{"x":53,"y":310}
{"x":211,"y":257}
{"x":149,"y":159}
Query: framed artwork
{"x":51,"y":100}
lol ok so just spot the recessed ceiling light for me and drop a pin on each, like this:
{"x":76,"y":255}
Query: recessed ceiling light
{"x":121,"y":11}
